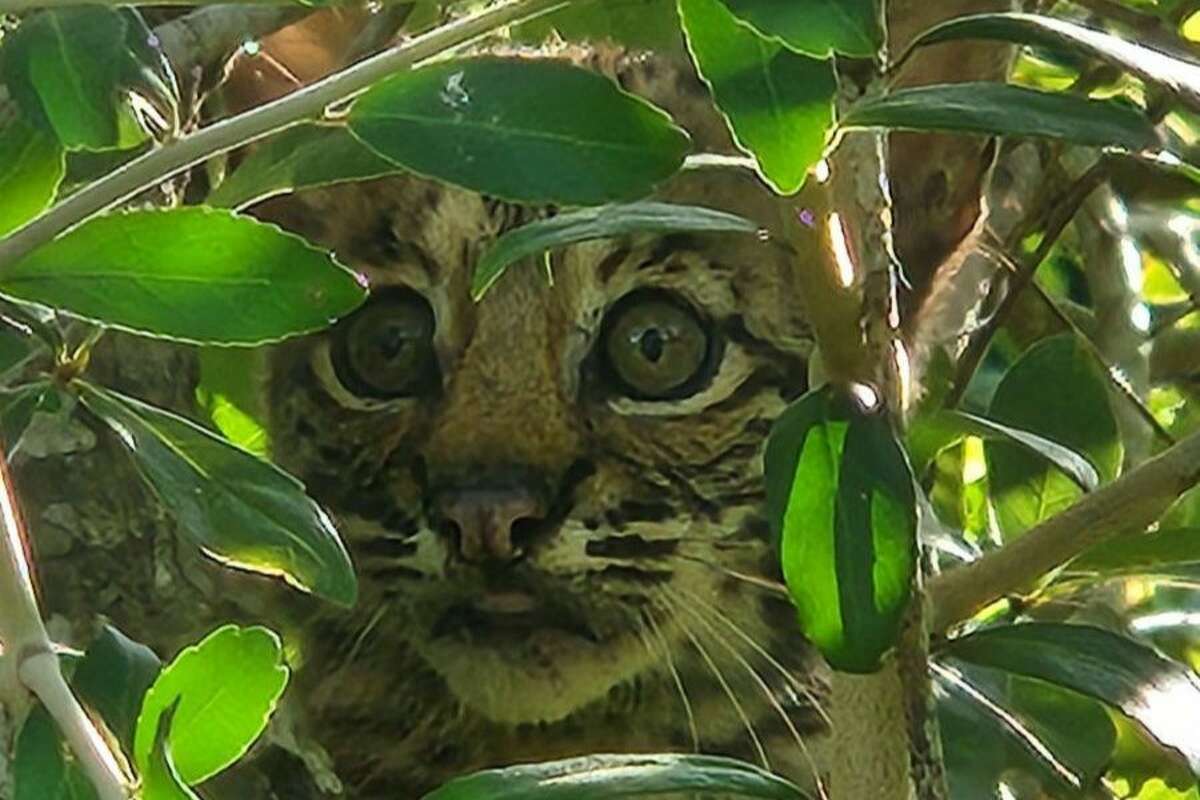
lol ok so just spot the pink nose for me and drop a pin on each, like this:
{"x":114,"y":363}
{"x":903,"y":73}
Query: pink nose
{"x":485,"y":518}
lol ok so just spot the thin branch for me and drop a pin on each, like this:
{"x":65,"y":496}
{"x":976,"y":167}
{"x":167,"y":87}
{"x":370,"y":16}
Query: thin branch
{"x":30,"y":654}
{"x":308,"y":103}
{"x":1127,"y":505}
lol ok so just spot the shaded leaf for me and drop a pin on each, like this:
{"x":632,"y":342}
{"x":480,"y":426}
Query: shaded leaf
{"x":841,"y":496}
{"x":32,"y":165}
{"x":603,"y":776}
{"x":1142,"y":553}
{"x":486,"y":124}
{"x":1181,"y":77}
{"x":17,"y":407}
{"x":637,"y":24}
{"x":193,"y":274}
{"x":230,"y":391}
{"x":299,"y":158}
{"x":997,"y":108}
{"x":160,"y":778}
{"x":40,"y":767}
{"x":929,"y":434}
{"x":237,"y":508}
{"x":222,"y":692}
{"x":598,"y":223}
{"x":778,"y":103}
{"x":113,"y":677}
{"x":72,"y":70}
{"x":817,"y":28}
{"x":1161,"y":695}
{"x":1024,"y":488}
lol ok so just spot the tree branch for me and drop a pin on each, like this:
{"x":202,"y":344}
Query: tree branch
{"x":29,"y":661}
{"x":310,"y":102}
{"x":1127,"y":505}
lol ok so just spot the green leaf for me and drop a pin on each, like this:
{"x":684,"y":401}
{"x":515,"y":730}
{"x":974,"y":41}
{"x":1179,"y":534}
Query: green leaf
{"x":932,"y":433}
{"x":636,"y":24}
{"x":32,"y":165}
{"x":598,"y":777}
{"x":1181,"y":78}
{"x":113,"y":677}
{"x":160,"y":778}
{"x":237,"y":508}
{"x":40,"y":768}
{"x":530,"y":130}
{"x":1025,"y":489}
{"x":598,"y":223}
{"x":299,"y":158}
{"x":73,"y":71}
{"x":997,"y":108}
{"x":17,"y":407}
{"x":778,"y":103}
{"x":995,"y":725}
{"x":223,"y":691}
{"x":230,"y":391}
{"x":841,"y":497}
{"x":817,"y":28}
{"x":1161,"y":695}
{"x":192,"y":274}
{"x":1142,"y":553}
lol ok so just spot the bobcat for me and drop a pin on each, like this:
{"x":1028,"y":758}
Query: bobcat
{"x":553,"y":497}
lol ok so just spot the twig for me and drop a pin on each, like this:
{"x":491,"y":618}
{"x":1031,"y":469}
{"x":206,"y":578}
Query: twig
{"x":29,"y":659}
{"x":1127,"y":505}
{"x":310,"y":102}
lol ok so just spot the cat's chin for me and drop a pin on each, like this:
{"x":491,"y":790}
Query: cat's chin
{"x":535,"y":675}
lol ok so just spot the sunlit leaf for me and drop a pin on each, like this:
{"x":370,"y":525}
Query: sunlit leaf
{"x":840,"y":497}
{"x":230,"y":391}
{"x":193,"y":274}
{"x":817,"y":28}
{"x":1025,"y":488}
{"x":1181,"y":77}
{"x":299,"y":158}
{"x":599,"y":777}
{"x":779,"y":103}
{"x":73,"y":70}
{"x":486,"y":124}
{"x":997,"y":108}
{"x":223,"y":691}
{"x":931,"y":433}
{"x":637,"y":24}
{"x":236,"y":507}
{"x":1161,"y":695}
{"x":160,"y":778}
{"x":598,"y":223}
{"x":31,"y":168}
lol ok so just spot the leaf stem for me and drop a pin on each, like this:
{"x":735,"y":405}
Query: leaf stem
{"x":29,"y":662}
{"x":308,"y":103}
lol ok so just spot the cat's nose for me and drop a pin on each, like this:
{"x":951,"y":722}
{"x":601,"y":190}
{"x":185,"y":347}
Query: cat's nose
{"x":486,"y":522}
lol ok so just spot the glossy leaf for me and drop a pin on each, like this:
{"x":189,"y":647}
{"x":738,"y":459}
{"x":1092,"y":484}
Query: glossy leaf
{"x":113,"y":677}
{"x":996,"y":726}
{"x":223,"y":691}
{"x":599,"y":777}
{"x":817,"y":28}
{"x":637,"y":24}
{"x":40,"y":767}
{"x":299,"y":158}
{"x":72,"y":71}
{"x":778,"y":103}
{"x":598,"y":223}
{"x":486,"y":124}
{"x":1142,"y":553}
{"x":193,"y":274}
{"x":1163,"y":696}
{"x":841,"y":497}
{"x":160,"y":777}
{"x":32,"y":165}
{"x":997,"y":108}
{"x":237,"y":508}
{"x":1181,"y":77}
{"x":1024,"y":488}
{"x":230,"y":391}
{"x":934,"y":432}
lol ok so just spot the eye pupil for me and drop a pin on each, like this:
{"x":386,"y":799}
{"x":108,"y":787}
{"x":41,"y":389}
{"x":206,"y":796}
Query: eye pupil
{"x":385,"y":349}
{"x":652,"y":345}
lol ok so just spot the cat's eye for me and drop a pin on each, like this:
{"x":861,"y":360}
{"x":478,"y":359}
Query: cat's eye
{"x":655,"y":347}
{"x":385,"y":349}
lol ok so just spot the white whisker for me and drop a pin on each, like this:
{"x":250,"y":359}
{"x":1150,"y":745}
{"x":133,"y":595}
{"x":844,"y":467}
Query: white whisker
{"x":650,"y":625}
